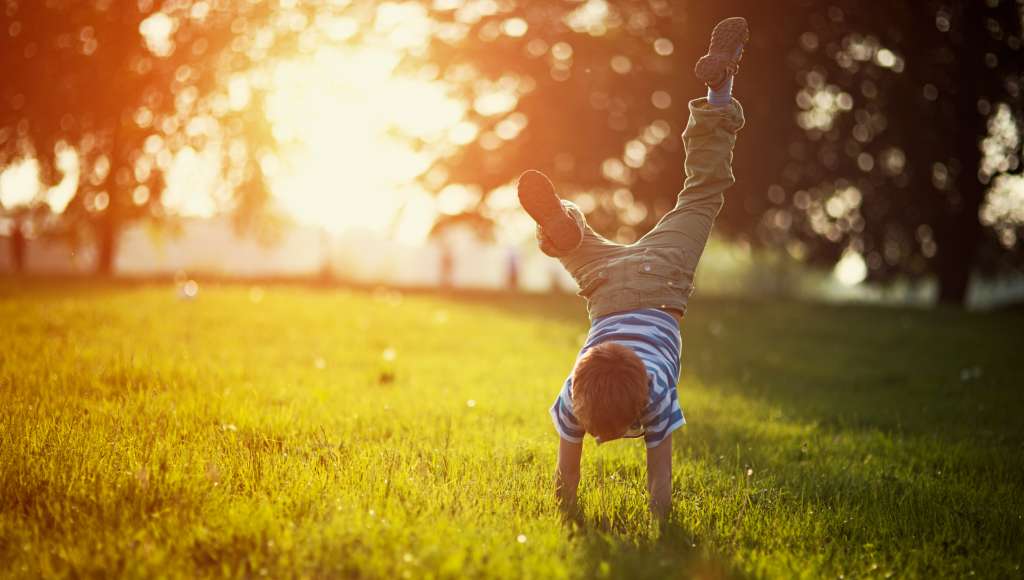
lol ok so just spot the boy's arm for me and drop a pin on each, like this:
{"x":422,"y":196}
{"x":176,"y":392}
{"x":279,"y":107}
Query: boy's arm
{"x":567,"y":473}
{"x":659,"y":478}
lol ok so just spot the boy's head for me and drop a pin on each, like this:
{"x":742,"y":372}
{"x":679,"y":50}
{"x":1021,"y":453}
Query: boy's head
{"x":609,"y":390}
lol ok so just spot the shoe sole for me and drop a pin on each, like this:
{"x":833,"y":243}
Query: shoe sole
{"x":727,"y":37}
{"x":537,"y":196}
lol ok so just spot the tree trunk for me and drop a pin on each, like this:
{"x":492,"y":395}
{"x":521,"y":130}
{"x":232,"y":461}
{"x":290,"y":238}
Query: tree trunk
{"x":959,"y":232}
{"x":18,"y":248}
{"x":954,"y":272}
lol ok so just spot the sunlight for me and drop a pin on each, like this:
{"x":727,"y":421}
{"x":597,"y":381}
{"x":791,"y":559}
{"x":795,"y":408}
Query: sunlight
{"x":851,"y":269}
{"x":345,"y":120}
{"x":19,"y":183}
{"x":343,"y":167}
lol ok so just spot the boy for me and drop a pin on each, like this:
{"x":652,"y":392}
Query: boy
{"x":624,"y":380}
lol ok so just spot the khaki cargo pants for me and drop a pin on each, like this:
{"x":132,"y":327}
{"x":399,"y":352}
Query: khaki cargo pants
{"x":657,"y":271}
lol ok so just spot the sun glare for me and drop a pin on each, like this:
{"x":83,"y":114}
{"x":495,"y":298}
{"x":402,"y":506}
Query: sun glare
{"x":353,"y":130}
{"x":340,"y":112}
{"x":344,"y":119}
{"x":851,"y":269}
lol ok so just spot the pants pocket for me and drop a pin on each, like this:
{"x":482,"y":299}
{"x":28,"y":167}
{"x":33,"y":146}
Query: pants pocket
{"x":655,"y":275}
{"x":591,"y":281}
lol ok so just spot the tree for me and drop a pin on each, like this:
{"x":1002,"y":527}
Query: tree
{"x":836,"y":96}
{"x":19,"y":214}
{"x":17,"y":219}
{"x":897,"y":107}
{"x":124,"y":85}
{"x":602,"y":92}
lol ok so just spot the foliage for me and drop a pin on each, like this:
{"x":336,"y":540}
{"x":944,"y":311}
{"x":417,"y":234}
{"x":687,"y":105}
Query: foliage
{"x":125,"y":86}
{"x":911,"y":115}
{"x":873,"y":131}
{"x":837,"y":95}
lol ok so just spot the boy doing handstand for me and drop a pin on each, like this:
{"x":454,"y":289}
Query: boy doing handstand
{"x":624,"y":381}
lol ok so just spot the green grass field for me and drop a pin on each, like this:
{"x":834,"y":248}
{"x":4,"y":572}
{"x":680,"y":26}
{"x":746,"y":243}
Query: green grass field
{"x":303,"y":432}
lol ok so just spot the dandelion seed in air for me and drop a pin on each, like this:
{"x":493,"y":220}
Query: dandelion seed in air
{"x":521,"y":538}
{"x":407,"y":557}
{"x":389,"y":354}
{"x":471,"y":403}
{"x":320,"y":363}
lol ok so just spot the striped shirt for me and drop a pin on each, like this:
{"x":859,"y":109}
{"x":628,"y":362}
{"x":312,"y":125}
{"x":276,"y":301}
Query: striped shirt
{"x":654,"y":336}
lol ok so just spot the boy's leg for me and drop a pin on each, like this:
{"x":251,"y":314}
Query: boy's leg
{"x":562,"y":230}
{"x":592,"y":248}
{"x":708,"y":139}
{"x":537,"y":196}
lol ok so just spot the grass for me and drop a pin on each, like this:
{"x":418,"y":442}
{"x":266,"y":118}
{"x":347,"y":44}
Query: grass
{"x":291,"y":431}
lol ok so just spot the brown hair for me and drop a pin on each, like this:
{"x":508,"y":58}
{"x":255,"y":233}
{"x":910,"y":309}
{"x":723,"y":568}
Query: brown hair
{"x":609,"y":389}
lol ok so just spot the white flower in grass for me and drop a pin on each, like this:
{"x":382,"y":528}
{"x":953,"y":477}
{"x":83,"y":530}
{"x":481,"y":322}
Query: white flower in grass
{"x":970,"y":374}
{"x":716,"y":328}
{"x":189,"y":290}
{"x":521,"y":538}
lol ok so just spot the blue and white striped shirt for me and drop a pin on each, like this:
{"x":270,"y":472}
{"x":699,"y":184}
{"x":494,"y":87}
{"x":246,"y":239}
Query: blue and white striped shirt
{"x":654,"y":336}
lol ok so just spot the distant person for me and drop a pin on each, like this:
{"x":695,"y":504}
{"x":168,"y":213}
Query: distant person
{"x":512,"y":270}
{"x":447,"y":266}
{"x":624,"y":380}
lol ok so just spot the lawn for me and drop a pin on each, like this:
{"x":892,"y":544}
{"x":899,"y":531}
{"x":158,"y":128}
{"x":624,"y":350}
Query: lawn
{"x":289,"y":431}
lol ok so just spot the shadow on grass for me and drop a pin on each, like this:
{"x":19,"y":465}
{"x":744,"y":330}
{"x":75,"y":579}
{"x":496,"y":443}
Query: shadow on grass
{"x":673,"y":552}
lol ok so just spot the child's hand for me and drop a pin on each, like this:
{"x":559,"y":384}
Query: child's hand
{"x":567,"y":474}
{"x":659,"y":478}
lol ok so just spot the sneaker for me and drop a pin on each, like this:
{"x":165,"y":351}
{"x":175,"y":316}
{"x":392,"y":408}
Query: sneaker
{"x":725,"y":52}
{"x":537,"y":196}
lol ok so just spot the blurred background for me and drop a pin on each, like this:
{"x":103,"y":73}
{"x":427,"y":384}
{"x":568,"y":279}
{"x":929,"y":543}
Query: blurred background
{"x":378,"y":142}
